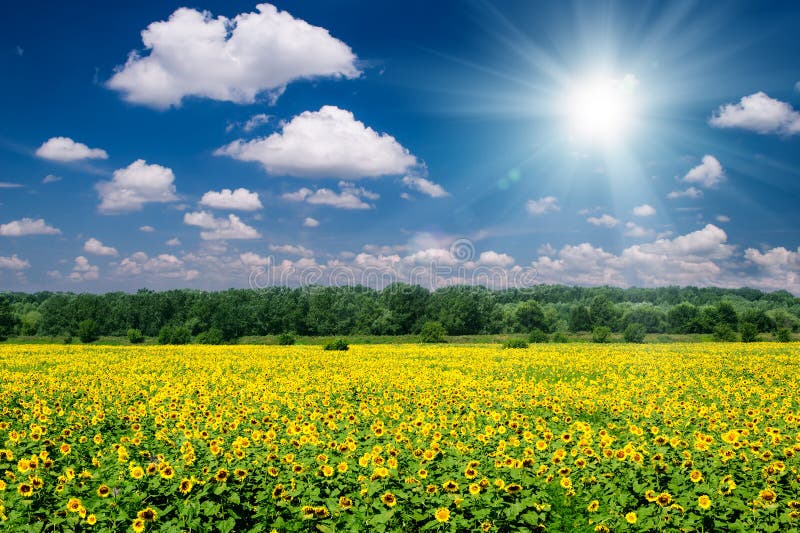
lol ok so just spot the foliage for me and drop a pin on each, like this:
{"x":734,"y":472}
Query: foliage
{"x":174,"y":335}
{"x":724,"y":333}
{"x":135,"y":336}
{"x":338,"y":345}
{"x":634,"y":333}
{"x":530,"y":316}
{"x":783,"y":335}
{"x":87,"y":330}
{"x":7,"y":321}
{"x":211,"y":336}
{"x":560,"y":337}
{"x":538,"y":336}
{"x":432,"y":332}
{"x":286,"y":339}
{"x":748,"y":332}
{"x":515,"y":344}
{"x":601,"y":334}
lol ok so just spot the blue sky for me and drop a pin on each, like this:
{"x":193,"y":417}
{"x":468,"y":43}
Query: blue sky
{"x":144,"y":144}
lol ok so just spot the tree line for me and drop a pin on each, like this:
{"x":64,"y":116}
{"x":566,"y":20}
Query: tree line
{"x":398,"y":309}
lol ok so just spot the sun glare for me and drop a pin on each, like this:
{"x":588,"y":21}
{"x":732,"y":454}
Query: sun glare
{"x":601,"y":110}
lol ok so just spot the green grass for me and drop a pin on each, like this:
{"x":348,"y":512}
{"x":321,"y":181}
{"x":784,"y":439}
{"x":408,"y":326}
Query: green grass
{"x":389,"y":339}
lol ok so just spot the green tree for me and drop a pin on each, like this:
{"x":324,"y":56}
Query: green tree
{"x":684,"y":318}
{"x":603,"y":312}
{"x":601,"y":334}
{"x":529,"y":316}
{"x":580,"y":319}
{"x":748,"y":331}
{"x":210,"y":336}
{"x":7,"y":321}
{"x":432,"y":332}
{"x":634,"y":333}
{"x":87,"y":330}
{"x":135,"y":336}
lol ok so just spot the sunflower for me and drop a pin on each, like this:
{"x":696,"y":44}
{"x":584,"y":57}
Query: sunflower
{"x":345,"y":502}
{"x":25,"y":489}
{"x":594,"y":505}
{"x":631,"y":518}
{"x":704,"y":502}
{"x":474,"y":488}
{"x":148,"y":514}
{"x":137,"y":472}
{"x":664,"y":499}
{"x":138,"y":525}
{"x":696,"y":476}
{"x":167,"y":472}
{"x":389,"y":499}
{"x":768,"y":495}
{"x":91,"y":519}
{"x":103,"y":491}
{"x":513,"y":488}
{"x":240,"y":474}
{"x":185,"y":486}
{"x":73,"y":505}
{"x":450,"y":486}
{"x":221,"y":475}
{"x":442,"y":514}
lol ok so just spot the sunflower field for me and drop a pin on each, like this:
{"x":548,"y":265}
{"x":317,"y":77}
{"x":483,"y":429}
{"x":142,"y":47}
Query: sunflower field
{"x":571,"y":437}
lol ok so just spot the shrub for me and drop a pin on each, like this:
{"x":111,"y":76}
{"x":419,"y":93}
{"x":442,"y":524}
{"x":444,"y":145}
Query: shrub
{"x":634,"y":333}
{"x":286,"y":339}
{"x":515,"y":344}
{"x":601,"y":334}
{"x":560,"y":337}
{"x":212,"y":336}
{"x":68,"y":339}
{"x":174,"y":335}
{"x":337,"y":345}
{"x":87,"y":330}
{"x":135,"y":336}
{"x":538,"y":336}
{"x":783,"y":335}
{"x":724,"y":333}
{"x":432,"y":332}
{"x":748,"y":331}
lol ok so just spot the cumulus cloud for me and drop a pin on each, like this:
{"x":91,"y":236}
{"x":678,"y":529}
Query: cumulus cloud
{"x":759,"y":113}
{"x":93,"y":246}
{"x":160,"y":266}
{"x":51,"y":178}
{"x":220,"y":228}
{"x":605,"y":220}
{"x":83,"y":271}
{"x":135,"y":185}
{"x":635,"y":230}
{"x":147,"y":229}
{"x":309,"y":222}
{"x":692,"y":193}
{"x":27,"y":226}
{"x":425,"y":186}
{"x":544,"y":205}
{"x":325,"y":143}
{"x":234,"y":60}
{"x":291,"y":249}
{"x":241,"y":199}
{"x":644,"y":210}
{"x":13,"y":263}
{"x":253,"y":260}
{"x":709,"y":173}
{"x":65,"y":149}
{"x":173,"y":242}
{"x":349,"y":197}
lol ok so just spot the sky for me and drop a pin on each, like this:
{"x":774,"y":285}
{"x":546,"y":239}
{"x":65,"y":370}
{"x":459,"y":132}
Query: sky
{"x":234,"y":144}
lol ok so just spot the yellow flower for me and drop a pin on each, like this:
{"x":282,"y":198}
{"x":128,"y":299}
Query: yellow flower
{"x":138,"y":525}
{"x":631,"y":518}
{"x":389,"y":499}
{"x":91,"y":519}
{"x":704,"y":502}
{"x":593,"y":506}
{"x":442,"y":514}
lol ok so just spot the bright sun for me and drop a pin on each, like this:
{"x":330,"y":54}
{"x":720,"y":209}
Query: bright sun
{"x":601,"y":110}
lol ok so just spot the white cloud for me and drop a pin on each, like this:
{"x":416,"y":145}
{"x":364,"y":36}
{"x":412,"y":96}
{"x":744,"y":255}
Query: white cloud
{"x":161,"y":266}
{"x":605,"y":220}
{"x":544,"y":205}
{"x":27,"y":226}
{"x":241,"y":199}
{"x":135,"y":185}
{"x":13,"y":263}
{"x":709,"y":173}
{"x":83,"y":271}
{"x":220,"y":228}
{"x":406,"y":196}
{"x":147,"y":229}
{"x":51,"y":178}
{"x":173,"y":242}
{"x":349,"y":197}
{"x":234,"y":60}
{"x":492,"y":258}
{"x":253,"y":260}
{"x":644,"y":210}
{"x":93,"y":246}
{"x":9,"y":185}
{"x":291,"y":249}
{"x":309,"y":222}
{"x":759,"y":113}
{"x":434,"y":190}
{"x":635,"y":230}
{"x":325,"y":143}
{"x":256,"y":121}
{"x":692,"y":193}
{"x":723,"y":218}
{"x":65,"y":149}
